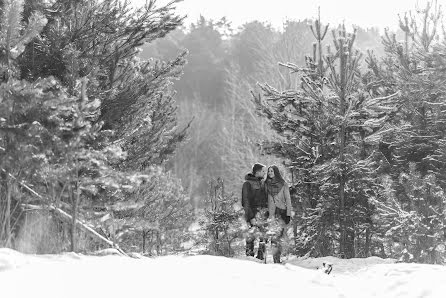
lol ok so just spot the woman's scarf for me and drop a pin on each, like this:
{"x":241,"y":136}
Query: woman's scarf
{"x":274,"y":186}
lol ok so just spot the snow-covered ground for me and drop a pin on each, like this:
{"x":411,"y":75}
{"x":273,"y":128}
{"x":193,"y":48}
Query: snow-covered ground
{"x":74,"y":275}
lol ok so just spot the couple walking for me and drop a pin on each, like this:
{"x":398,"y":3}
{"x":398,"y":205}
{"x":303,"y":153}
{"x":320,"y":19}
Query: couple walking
{"x":265,"y":198}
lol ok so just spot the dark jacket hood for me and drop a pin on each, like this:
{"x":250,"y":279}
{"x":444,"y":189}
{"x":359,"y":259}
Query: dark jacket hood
{"x":251,"y":177}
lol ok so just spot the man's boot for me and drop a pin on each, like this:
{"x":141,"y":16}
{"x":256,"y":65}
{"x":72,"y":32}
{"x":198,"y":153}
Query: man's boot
{"x":250,"y":247}
{"x":276,"y":259}
{"x":261,"y":250}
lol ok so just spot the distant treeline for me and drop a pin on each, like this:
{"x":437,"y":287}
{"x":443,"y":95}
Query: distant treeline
{"x":354,"y":118}
{"x":223,"y":66}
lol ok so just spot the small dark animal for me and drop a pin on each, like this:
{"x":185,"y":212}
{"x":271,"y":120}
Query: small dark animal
{"x":326,"y":268}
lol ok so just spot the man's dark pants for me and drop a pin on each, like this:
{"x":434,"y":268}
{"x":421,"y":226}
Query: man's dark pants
{"x":251,"y":238}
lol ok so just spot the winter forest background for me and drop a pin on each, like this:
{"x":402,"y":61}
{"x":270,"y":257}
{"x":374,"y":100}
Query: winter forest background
{"x":123,"y":127}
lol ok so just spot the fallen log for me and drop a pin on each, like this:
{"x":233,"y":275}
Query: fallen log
{"x":63,"y":215}
{"x":69,"y":219}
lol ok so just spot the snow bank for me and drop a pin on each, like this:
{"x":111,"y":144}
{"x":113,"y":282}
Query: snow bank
{"x":345,"y":266}
{"x":172,"y":276}
{"x":74,"y":275}
{"x":396,"y":280}
{"x":377,"y":277}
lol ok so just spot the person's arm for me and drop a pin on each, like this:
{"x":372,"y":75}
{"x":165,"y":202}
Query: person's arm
{"x":265,"y":200}
{"x":246,"y":203}
{"x":271,"y":205}
{"x":288,"y":200}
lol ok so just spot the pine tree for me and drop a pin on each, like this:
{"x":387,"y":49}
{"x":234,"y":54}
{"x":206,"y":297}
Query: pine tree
{"x":221,"y":220}
{"x":412,"y":208}
{"x":15,"y":35}
{"x":99,"y":40}
{"x":18,"y":110}
{"x":330,"y":124}
{"x":413,"y":231}
{"x":155,"y":213}
{"x":75,"y":98}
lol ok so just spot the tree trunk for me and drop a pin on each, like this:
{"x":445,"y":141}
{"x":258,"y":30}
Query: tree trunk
{"x":8,"y":213}
{"x":367,"y":242}
{"x":295,"y":231}
{"x":350,"y":236}
{"x":8,"y":57}
{"x":320,"y":37}
{"x":342,"y":242}
{"x":75,"y":201}
{"x":347,"y":240}
{"x":143,"y":241}
{"x":383,"y":252}
{"x":366,"y":203}
{"x":216,"y":242}
{"x":158,"y":243}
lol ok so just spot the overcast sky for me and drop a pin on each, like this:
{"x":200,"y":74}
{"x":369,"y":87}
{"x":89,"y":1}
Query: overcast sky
{"x":376,"y":13}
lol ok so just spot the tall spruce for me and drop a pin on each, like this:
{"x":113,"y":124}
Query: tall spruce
{"x":76,"y":98}
{"x":412,"y":208}
{"x":99,"y":40}
{"x":155,"y":216}
{"x":220,"y":220}
{"x":18,"y":111}
{"x":331,"y":125}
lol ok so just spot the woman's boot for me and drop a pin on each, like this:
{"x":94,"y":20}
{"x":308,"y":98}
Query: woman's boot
{"x":276,"y":251}
{"x":261,"y":251}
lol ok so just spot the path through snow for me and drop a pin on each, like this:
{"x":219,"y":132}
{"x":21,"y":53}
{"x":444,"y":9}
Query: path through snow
{"x":74,"y":275}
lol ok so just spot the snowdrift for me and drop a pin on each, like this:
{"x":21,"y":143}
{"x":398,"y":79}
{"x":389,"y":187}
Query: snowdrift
{"x":75,"y":275}
{"x":349,"y":266}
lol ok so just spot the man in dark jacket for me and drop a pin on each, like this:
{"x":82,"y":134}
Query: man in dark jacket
{"x":254,"y":200}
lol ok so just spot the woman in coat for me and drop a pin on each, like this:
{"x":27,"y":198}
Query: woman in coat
{"x":279,"y":204}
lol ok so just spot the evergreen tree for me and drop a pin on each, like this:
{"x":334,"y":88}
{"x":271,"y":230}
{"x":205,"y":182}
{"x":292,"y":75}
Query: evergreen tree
{"x":74,"y":98}
{"x":21,"y":111}
{"x":156,"y":214}
{"x":330,"y":126}
{"x":413,"y":204}
{"x":220,"y":221}
{"x":99,"y":40}
{"x":413,"y":231}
